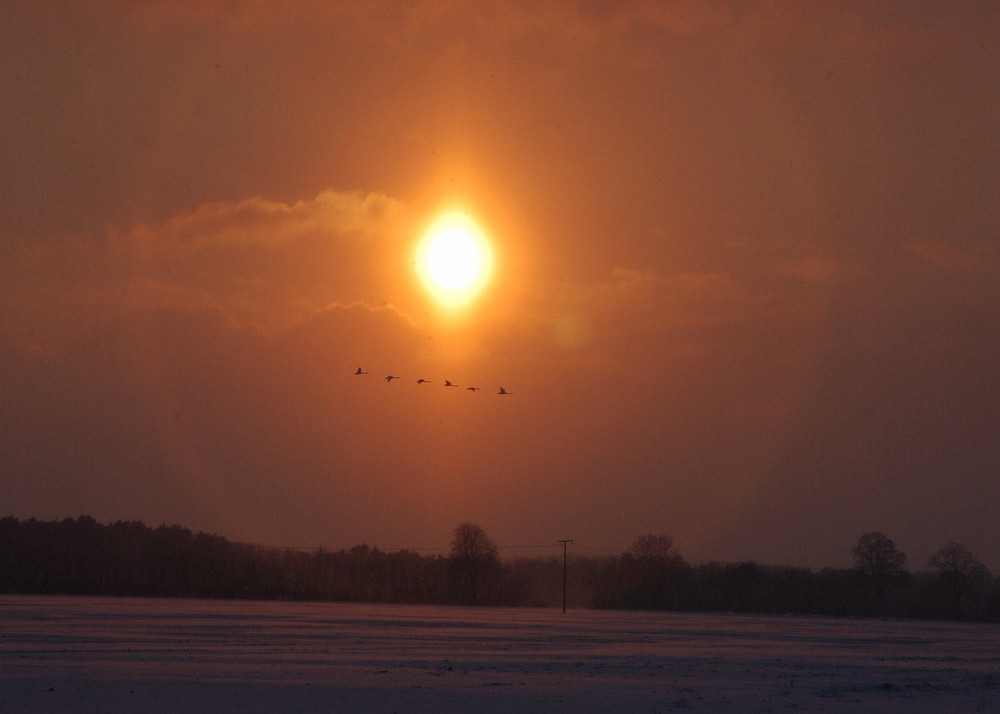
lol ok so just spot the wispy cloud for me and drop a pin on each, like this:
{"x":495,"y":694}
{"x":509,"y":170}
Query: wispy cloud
{"x":258,"y":262}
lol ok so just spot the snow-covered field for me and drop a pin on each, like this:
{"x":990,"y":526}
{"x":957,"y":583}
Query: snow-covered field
{"x":70,"y":654}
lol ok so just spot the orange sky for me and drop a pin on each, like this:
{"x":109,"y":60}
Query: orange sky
{"x":746,"y":281}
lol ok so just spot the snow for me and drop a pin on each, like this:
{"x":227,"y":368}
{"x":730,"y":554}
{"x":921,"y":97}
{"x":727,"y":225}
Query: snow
{"x":70,"y":654}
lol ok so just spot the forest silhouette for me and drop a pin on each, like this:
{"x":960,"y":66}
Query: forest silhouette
{"x":128,"y":558}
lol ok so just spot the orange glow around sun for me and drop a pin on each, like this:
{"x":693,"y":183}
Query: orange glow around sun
{"x":454,"y":259}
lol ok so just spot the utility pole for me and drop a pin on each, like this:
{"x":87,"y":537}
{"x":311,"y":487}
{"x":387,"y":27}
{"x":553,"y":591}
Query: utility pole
{"x":564,"y":542}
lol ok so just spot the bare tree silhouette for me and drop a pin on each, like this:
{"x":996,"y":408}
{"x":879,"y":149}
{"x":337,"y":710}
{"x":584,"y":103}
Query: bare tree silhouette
{"x":473,"y":562}
{"x":961,"y":574}
{"x":883,"y":565}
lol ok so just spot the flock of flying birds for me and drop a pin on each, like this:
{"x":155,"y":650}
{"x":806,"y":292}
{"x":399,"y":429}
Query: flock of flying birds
{"x":503,"y":392}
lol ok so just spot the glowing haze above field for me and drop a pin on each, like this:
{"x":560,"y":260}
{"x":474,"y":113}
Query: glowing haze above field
{"x":744,"y":282}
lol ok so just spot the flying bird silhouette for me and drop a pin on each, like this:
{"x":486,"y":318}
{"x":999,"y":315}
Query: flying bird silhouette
{"x":359,"y":371}
{"x":391,"y":377}
{"x":448,"y":383}
{"x":504,"y":392}
{"x":473,"y":389}
{"x":422,"y":381}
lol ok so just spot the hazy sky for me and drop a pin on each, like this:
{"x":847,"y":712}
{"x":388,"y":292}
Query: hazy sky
{"x":746,"y":283}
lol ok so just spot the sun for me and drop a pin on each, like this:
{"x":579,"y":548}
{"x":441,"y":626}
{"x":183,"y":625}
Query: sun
{"x":454,"y":259}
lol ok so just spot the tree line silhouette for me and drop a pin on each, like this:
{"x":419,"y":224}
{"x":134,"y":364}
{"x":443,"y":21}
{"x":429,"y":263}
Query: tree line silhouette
{"x":127,"y":558}
{"x":651,"y":574}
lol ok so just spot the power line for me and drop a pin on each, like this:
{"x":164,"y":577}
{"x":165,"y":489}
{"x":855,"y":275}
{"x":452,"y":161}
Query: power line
{"x":526,"y":547}
{"x":419,"y":549}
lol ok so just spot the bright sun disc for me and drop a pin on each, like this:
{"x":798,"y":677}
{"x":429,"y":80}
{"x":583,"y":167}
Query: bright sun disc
{"x":454,"y":259}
